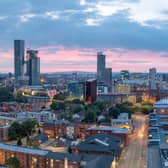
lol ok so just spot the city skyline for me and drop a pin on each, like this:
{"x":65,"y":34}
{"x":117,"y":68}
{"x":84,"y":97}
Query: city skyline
{"x":132,"y":34}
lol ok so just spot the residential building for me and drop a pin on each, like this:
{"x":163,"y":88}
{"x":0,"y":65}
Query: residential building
{"x":18,"y":59}
{"x":101,"y":66}
{"x":161,"y":106}
{"x":124,"y":75}
{"x":4,"y":132}
{"x":39,"y":139}
{"x":100,"y":144}
{"x":90,"y":90}
{"x":37,"y":158}
{"x":152,"y":78}
{"x":108,"y":78}
{"x":119,"y":132}
{"x":33,"y":67}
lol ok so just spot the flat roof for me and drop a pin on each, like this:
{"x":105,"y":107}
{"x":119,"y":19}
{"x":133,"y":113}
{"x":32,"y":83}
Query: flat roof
{"x":8,"y":118}
{"x":153,"y":158}
{"x":23,"y":149}
{"x":161,"y":103}
{"x":109,"y":128}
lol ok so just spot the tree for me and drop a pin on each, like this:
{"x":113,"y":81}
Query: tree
{"x":90,"y":115}
{"x":13,"y":162}
{"x":146,"y":109}
{"x":6,"y":95}
{"x":15,"y":131}
{"x":66,"y":115}
{"x":100,"y":105}
{"x":77,"y":109}
{"x":60,"y":96}
{"x":28,"y":126}
{"x":19,"y":142}
{"x":20,"y":97}
{"x":57,"y":105}
{"x":114,"y":112}
{"x":77,"y":101}
{"x":127,"y":103}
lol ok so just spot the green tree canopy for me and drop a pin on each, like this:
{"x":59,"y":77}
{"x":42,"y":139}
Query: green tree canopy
{"x":77,"y":109}
{"x":19,"y":142}
{"x":66,"y":115}
{"x":19,"y":130}
{"x":114,"y":112}
{"x":90,"y":115}
{"x":20,"y":97}
{"x":6,"y":95}
{"x":60,"y":96}
{"x":13,"y":162}
{"x":15,"y":131}
{"x":58,"y":105}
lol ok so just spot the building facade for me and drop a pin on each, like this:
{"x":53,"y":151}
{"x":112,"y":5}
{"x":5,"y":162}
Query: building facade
{"x":33,"y":67}
{"x":101,"y":66}
{"x":91,"y":90}
{"x":18,"y":59}
{"x":108,"y":78}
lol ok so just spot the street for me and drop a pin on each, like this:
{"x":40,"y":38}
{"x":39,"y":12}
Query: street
{"x":134,"y":156}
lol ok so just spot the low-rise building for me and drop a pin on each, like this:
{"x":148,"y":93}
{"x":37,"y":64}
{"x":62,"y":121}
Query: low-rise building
{"x":161,"y":106}
{"x":119,"y":132}
{"x":100,"y":144}
{"x":37,"y":158}
{"x":4,"y":132}
{"x":59,"y":128}
{"x":39,"y":139}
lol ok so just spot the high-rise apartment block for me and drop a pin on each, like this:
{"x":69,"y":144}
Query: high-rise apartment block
{"x":125,"y":75}
{"x":108,"y":78}
{"x":19,"y":59}
{"x":90,"y":90}
{"x":104,"y":75}
{"x":33,"y":67}
{"x":101,"y":66}
{"x":152,"y":78}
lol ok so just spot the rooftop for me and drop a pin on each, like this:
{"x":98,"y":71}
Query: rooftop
{"x":23,"y":149}
{"x":101,"y":143}
{"x":161,"y":103}
{"x":109,"y":128}
{"x":153,"y":158}
{"x":62,"y":156}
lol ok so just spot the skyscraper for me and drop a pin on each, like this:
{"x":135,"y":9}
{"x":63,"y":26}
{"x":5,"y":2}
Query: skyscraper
{"x":90,"y":90}
{"x":19,"y":59}
{"x":108,"y":78}
{"x":152,"y":78}
{"x":33,"y":67}
{"x":124,"y":75}
{"x":100,"y":66}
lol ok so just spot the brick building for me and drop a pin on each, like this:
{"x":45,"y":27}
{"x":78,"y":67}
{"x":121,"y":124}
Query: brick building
{"x":36,"y":158}
{"x":59,"y":128}
{"x":119,"y":132}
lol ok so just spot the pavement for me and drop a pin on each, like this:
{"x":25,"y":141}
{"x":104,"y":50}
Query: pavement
{"x":134,"y":155}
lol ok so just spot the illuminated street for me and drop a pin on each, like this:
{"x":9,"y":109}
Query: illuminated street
{"x":134,"y":156}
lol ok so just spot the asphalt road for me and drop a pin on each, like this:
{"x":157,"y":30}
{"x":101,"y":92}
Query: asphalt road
{"x":134,"y":156}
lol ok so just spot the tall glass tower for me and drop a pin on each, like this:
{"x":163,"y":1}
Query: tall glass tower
{"x":100,"y":66}
{"x":33,"y":67}
{"x":19,"y":50}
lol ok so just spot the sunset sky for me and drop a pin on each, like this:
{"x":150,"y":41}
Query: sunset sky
{"x":68,"y":33}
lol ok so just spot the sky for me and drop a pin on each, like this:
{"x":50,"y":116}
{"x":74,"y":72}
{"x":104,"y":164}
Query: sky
{"x":133,"y":34}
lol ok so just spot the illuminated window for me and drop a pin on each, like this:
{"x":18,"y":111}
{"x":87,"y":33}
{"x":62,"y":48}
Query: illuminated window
{"x":51,"y":163}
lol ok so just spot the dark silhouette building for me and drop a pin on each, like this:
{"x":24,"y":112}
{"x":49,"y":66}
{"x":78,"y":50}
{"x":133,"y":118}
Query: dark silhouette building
{"x":18,"y":59}
{"x":33,"y":67}
{"x":91,"y":90}
{"x":101,"y":64}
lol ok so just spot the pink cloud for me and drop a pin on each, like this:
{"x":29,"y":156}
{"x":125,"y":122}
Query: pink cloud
{"x":60,"y":58}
